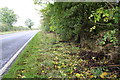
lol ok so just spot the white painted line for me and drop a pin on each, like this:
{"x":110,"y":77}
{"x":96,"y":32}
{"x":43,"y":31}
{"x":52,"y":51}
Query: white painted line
{"x":6,"y":37}
{"x":14,"y":57}
{"x":11,"y":36}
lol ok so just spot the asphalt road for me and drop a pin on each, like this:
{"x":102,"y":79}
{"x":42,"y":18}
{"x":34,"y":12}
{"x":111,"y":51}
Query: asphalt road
{"x":11,"y":43}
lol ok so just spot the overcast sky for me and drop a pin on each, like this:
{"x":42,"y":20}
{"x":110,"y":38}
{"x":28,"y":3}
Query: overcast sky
{"x":24,"y":9}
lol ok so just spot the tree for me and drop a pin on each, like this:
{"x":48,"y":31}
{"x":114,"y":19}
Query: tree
{"x":29,"y":23}
{"x":79,"y":21}
{"x":70,"y":20}
{"x":7,"y":16}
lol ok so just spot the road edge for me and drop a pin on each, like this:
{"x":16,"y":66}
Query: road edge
{"x":14,"y":57}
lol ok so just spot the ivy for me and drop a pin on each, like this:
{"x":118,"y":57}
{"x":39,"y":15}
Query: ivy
{"x":109,"y":37}
{"x":107,"y":16}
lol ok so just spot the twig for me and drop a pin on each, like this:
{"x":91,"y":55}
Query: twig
{"x":110,"y":4}
{"x":114,"y":65}
{"x":105,"y":24}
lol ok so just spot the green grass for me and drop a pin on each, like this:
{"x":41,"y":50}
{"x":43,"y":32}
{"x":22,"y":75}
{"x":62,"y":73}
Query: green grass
{"x":46,"y":57}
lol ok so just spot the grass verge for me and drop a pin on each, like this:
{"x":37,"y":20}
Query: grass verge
{"x":47,"y":57}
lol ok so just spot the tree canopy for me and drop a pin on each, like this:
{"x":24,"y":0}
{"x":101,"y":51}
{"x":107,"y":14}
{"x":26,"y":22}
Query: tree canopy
{"x":29,"y":23}
{"x":78,"y":21}
{"x":7,"y":16}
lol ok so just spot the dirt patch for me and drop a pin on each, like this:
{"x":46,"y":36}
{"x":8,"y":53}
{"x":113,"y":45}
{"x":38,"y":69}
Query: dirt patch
{"x":99,"y":59}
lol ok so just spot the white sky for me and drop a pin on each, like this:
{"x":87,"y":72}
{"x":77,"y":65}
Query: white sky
{"x":24,"y":9}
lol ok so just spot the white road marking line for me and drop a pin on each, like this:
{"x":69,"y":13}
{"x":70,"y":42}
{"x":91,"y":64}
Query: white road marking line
{"x":14,"y":57}
{"x":5,"y":37}
{"x":10,"y":36}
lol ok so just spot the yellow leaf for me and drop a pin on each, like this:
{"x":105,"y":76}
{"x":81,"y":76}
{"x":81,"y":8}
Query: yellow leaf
{"x":49,"y":77}
{"x":91,"y":76}
{"x":74,"y":67}
{"x":58,"y":67}
{"x":64,"y":74}
{"x":79,"y":75}
{"x":43,"y":71}
{"x":103,"y":74}
{"x":23,"y":77}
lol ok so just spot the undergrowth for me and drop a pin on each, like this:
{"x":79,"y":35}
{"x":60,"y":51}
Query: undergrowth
{"x":46,"y":56}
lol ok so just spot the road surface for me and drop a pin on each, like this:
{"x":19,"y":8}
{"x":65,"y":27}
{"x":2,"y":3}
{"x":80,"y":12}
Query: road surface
{"x":11,"y":43}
